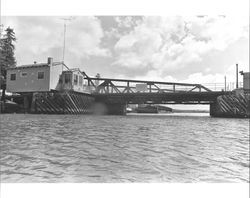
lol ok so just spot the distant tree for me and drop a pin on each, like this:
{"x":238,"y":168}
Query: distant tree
{"x":7,"y":56}
{"x":7,"y":49}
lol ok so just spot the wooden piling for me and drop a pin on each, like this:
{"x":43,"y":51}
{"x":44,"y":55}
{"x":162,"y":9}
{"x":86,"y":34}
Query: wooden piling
{"x":233,"y":105}
{"x":61,"y":103}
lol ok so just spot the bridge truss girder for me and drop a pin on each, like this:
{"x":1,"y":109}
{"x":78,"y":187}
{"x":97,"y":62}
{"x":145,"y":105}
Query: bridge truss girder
{"x":118,"y":86}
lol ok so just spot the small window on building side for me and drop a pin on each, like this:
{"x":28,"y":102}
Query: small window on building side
{"x":67,"y":78}
{"x":80,"y":80}
{"x":40,"y":75}
{"x":75,"y":79}
{"x":24,"y":74}
{"x":12,"y":76}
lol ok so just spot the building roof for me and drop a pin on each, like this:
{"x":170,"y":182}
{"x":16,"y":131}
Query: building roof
{"x":33,"y":65}
{"x":29,"y":66}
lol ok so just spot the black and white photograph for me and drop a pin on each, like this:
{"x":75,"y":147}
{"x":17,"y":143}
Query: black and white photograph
{"x":124,"y":99}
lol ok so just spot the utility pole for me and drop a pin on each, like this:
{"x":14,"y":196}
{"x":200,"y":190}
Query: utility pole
{"x":237,"y":85}
{"x":225,"y":78}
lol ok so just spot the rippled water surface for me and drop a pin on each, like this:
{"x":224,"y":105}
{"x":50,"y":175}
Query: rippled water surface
{"x":133,"y":148}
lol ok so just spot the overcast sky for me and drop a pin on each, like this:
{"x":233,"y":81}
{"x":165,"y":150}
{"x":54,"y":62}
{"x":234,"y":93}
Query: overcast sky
{"x":197,"y":49}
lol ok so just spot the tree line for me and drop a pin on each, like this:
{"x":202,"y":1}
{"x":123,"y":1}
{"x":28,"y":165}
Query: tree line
{"x":7,"y":55}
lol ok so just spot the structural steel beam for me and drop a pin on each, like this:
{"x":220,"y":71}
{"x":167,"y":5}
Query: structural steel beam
{"x":161,"y":98}
{"x":108,"y":85}
{"x":143,"y":81}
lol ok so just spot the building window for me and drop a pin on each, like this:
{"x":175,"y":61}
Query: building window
{"x":75,"y":79}
{"x":40,"y":75}
{"x":12,"y":76}
{"x":67,"y":78}
{"x":80,"y":80}
{"x":24,"y":74}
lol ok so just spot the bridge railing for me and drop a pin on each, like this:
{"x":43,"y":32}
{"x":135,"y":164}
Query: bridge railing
{"x":221,"y":86}
{"x":105,"y":85}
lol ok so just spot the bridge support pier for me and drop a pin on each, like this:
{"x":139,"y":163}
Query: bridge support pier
{"x":214,"y":109}
{"x":233,"y":106}
{"x":116,"y":109}
{"x":102,"y":108}
{"x":27,"y":101}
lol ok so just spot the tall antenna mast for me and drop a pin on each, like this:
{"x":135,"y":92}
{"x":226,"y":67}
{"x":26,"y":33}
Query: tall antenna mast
{"x":64,"y":34}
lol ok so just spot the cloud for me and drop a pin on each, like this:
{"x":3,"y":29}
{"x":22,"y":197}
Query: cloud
{"x":172,"y":45}
{"x":40,"y":37}
{"x":84,"y":37}
{"x":178,"y":49}
{"x":125,"y":21}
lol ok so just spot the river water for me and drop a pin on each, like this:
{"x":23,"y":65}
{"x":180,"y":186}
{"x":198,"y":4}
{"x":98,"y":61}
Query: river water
{"x":132,"y":148}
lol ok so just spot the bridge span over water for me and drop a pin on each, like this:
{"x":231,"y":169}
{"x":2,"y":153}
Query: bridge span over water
{"x":113,"y":91}
{"x":117,"y":93}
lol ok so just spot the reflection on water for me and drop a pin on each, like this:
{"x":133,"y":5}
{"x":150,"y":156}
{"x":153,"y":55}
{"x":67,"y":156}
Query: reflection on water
{"x":133,"y":148}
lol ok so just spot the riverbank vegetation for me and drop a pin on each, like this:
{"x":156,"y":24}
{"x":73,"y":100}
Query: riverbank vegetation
{"x":7,"y":56}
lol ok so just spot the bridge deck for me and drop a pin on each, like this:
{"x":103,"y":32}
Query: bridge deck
{"x":122,"y":91}
{"x":160,"y":98}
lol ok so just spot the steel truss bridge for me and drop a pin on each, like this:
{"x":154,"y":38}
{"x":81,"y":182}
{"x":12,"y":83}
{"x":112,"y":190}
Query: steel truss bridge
{"x":124,"y":91}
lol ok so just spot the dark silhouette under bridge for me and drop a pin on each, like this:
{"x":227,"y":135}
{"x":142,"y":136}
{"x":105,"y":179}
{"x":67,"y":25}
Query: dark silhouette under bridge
{"x":123,"y":91}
